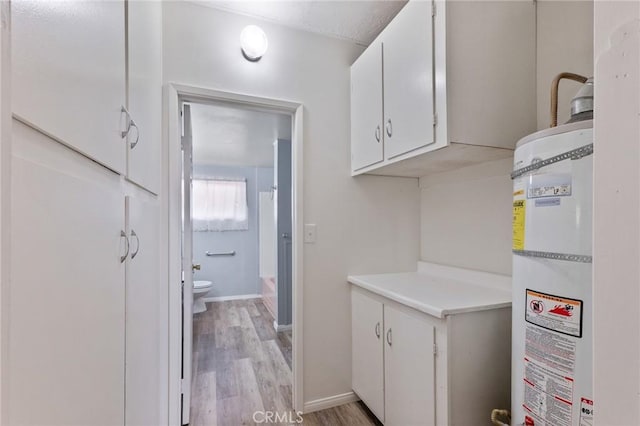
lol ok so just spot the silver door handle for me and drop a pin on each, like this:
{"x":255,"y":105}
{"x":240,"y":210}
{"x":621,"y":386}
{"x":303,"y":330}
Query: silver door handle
{"x":389,"y":337}
{"x":378,"y":330}
{"x":133,"y":125}
{"x":389,"y":127}
{"x":133,"y":234}
{"x":126,"y":240}
{"x":127,"y":123}
{"x":378,"y":133}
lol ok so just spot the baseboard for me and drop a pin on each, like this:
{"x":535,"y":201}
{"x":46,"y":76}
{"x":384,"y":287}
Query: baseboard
{"x":225,"y":298}
{"x":329,"y":402}
{"x":279,"y":328}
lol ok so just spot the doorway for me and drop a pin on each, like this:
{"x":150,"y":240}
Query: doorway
{"x":246,"y":342}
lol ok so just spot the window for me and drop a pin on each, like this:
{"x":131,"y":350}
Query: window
{"x":220,"y":205}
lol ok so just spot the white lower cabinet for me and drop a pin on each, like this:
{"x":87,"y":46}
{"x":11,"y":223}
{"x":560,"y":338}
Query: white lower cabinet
{"x":421,"y":370}
{"x":408,"y":368}
{"x":143,"y":331}
{"x":84,"y":296}
{"x":392,"y":362}
{"x":367,"y":348}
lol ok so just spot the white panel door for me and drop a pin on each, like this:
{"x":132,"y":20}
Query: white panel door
{"x":366,"y":108}
{"x":144,"y":41}
{"x":367,"y":367}
{"x":409,"y":369}
{"x":66,"y":348}
{"x":408,"y":80}
{"x":69,"y":74}
{"x":143,"y":329}
{"x":187,"y":262}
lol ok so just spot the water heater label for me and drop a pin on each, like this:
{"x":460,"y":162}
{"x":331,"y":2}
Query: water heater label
{"x":519,"y":209}
{"x":586,"y":412}
{"x":555,"y":313}
{"x":549,"y":185}
{"x":549,"y":366}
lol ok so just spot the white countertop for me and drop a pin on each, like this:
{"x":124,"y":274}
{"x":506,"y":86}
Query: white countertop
{"x":439,"y":290}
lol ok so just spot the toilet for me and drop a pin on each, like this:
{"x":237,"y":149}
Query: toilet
{"x":200,"y":288}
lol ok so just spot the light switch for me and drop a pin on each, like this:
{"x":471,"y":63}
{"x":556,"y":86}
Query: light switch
{"x":309,"y":233}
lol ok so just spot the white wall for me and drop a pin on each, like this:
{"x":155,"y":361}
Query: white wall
{"x":616,"y":281}
{"x":365,"y":224}
{"x":466,"y":217}
{"x":565,"y":43}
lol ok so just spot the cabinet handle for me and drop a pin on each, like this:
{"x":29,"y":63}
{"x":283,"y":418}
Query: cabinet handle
{"x":126,"y":240}
{"x":378,"y":133}
{"x":127,"y":123}
{"x":389,"y":337}
{"x":134,"y":125}
{"x":389,"y":128}
{"x":134,"y":235}
{"x":378,"y":330}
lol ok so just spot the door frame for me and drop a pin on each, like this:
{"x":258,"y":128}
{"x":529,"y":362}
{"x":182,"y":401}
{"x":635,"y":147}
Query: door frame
{"x":175,"y":94}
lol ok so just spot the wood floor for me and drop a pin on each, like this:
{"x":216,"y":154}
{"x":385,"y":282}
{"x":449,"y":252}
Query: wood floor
{"x":242,"y":366}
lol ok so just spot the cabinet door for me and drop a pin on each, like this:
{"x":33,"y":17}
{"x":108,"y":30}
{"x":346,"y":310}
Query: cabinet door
{"x":367,"y":377}
{"x":68,"y":62}
{"x":66,"y":345}
{"x":408,"y":80}
{"x":366,"y":108}
{"x":144,"y":41}
{"x":143,"y":330}
{"x":409,"y":369}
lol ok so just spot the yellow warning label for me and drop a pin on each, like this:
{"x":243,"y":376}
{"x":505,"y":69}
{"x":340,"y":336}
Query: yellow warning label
{"x":519,"y":207}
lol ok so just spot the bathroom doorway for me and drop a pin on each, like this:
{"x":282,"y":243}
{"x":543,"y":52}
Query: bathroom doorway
{"x":240,"y":259}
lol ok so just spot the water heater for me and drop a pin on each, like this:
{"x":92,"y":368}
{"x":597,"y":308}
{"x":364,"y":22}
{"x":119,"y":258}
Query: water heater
{"x":552,"y":277}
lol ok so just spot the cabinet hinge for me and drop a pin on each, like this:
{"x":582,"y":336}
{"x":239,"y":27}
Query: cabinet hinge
{"x":181,"y":386}
{"x":435,"y":120}
{"x":433,"y":9}
{"x":435,"y":349}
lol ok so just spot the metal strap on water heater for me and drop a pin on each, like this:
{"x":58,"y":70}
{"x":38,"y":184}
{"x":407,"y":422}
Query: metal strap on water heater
{"x":574,"y":154}
{"x":555,"y":256}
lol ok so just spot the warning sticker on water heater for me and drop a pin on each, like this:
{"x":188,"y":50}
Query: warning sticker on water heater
{"x":555,"y":313}
{"x":519,"y":209}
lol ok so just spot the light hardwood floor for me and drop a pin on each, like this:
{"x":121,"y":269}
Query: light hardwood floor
{"x":242,"y":366}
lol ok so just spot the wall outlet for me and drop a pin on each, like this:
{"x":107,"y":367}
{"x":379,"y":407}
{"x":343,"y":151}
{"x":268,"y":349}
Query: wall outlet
{"x":310,"y":233}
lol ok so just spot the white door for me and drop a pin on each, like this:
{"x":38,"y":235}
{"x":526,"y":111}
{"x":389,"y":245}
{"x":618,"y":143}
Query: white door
{"x":187,"y":264}
{"x":409,"y":369}
{"x":68,"y":80}
{"x":367,"y":138}
{"x":143,"y":329}
{"x":367,"y":371}
{"x":408,"y":80}
{"x":144,"y":41}
{"x":67,"y":329}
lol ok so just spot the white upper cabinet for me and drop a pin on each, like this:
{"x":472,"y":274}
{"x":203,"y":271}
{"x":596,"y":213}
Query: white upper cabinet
{"x":408,"y":80}
{"x":458,"y":87}
{"x":68,"y":61}
{"x":144,"y":42}
{"x":366,"y":109}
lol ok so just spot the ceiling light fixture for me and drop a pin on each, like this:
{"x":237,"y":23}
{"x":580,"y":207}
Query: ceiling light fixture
{"x":253,"y":42}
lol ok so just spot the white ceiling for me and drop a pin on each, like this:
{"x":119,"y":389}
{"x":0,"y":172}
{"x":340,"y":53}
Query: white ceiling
{"x":229,"y":135}
{"x":356,"y":20}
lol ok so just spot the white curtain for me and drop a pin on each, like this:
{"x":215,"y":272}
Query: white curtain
{"x":220,"y":205}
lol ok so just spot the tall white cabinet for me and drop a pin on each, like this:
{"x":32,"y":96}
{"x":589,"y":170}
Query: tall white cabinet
{"x":84,"y":320}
